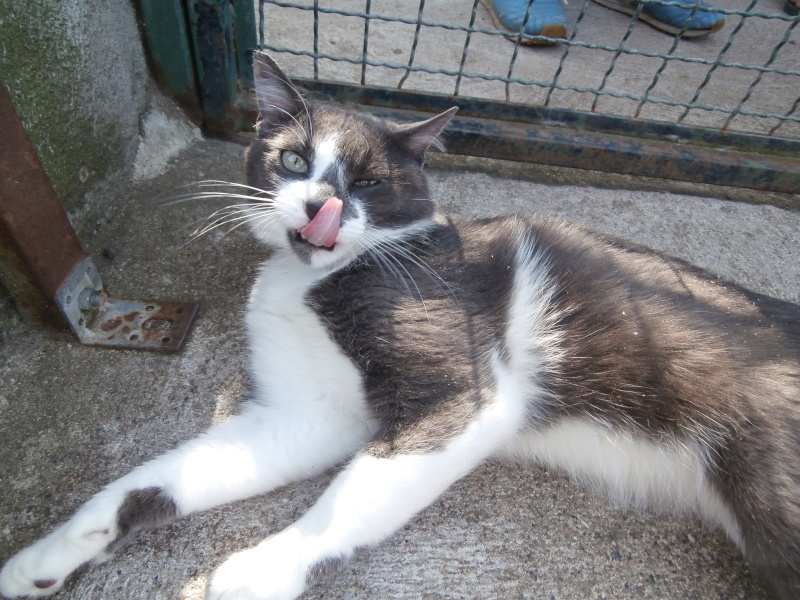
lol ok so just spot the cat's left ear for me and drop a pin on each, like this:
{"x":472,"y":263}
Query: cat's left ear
{"x":278,"y":99}
{"x":416,"y":138}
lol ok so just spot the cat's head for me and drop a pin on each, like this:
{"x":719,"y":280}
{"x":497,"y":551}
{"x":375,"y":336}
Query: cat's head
{"x":334,"y":183}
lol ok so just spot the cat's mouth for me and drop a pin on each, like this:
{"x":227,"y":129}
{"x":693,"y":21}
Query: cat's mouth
{"x":322,"y":230}
{"x":301,"y":240}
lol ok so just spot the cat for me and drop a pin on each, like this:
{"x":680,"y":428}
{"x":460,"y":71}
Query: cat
{"x":410,"y":346}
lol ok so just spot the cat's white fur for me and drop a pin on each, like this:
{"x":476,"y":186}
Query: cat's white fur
{"x":310,"y":413}
{"x":668,"y":475}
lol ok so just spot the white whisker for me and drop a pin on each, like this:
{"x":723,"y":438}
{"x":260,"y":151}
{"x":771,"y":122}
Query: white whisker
{"x":217,"y":194}
{"x":400,"y":248}
{"x":241,"y":221}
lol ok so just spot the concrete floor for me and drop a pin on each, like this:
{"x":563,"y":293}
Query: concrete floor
{"x":72,"y":418}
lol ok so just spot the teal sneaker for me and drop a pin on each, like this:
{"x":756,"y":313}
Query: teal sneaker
{"x":670,"y":18}
{"x":545,"y":17}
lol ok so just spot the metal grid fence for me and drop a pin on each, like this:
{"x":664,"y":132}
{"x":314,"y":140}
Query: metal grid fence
{"x":744,"y":78}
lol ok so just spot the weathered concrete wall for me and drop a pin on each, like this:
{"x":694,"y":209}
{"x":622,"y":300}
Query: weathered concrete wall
{"x":78,"y":79}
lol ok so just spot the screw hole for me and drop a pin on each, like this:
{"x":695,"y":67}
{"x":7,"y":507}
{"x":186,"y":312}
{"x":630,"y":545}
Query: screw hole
{"x":149,"y":307}
{"x":166,"y":340}
{"x":179,"y":311}
{"x":134,"y":337}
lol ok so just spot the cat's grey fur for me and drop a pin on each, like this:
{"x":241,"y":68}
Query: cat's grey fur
{"x":630,"y":369}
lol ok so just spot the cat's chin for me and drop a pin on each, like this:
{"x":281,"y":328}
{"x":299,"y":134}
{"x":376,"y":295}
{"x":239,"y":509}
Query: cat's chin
{"x":301,"y":242}
{"x":307,"y":251}
{"x":328,"y":258}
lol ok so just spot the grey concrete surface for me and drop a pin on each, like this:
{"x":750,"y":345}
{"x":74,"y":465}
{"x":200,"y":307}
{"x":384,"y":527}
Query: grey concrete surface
{"x":73,"y":418}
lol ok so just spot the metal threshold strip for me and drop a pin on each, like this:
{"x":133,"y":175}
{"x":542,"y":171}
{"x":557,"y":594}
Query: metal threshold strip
{"x":582,"y":140}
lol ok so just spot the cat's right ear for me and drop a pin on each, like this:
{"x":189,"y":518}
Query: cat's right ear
{"x":278,"y":99}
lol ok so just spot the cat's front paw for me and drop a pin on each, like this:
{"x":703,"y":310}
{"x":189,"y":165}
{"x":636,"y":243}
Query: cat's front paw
{"x":270,"y":571}
{"x":40,"y":570}
{"x":22,"y":578}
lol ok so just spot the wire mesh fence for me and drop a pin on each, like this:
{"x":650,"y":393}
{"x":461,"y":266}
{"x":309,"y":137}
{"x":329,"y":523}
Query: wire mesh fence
{"x":744,"y":78}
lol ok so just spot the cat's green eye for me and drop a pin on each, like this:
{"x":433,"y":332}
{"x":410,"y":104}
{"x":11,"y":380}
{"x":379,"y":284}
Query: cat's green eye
{"x":294,"y":162}
{"x":362,"y":183}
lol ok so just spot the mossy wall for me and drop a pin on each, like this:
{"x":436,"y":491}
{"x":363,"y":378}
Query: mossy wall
{"x":77,"y":76}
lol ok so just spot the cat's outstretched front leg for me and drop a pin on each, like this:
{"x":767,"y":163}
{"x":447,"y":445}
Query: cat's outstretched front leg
{"x":377,"y":493}
{"x":257,"y":451}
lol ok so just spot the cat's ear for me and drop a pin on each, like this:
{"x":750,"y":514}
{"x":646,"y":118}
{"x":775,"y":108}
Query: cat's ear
{"x":416,"y":138}
{"x":278,"y":99}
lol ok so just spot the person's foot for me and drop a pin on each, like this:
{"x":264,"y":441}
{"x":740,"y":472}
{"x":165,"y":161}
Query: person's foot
{"x":695,"y":19}
{"x":792,"y":7}
{"x":545,"y":18}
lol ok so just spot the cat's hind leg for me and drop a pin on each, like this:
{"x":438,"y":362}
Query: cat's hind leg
{"x":252,"y":453}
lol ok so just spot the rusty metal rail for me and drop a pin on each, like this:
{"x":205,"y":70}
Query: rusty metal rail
{"x":589,"y":141}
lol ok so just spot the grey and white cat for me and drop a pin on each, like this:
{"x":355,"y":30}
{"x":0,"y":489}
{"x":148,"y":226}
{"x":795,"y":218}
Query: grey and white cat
{"x":411,"y":346}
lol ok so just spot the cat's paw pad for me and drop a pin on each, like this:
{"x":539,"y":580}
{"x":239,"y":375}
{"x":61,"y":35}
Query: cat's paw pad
{"x":266,"y":572}
{"x":18,"y":580}
{"x":40,"y":570}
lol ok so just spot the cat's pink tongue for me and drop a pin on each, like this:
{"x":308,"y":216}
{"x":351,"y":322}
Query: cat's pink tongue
{"x":324,"y":227}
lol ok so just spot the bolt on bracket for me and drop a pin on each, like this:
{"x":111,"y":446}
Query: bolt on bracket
{"x":98,"y":319}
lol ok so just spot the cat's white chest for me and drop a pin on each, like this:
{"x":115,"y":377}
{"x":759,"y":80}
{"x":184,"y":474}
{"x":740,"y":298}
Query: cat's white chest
{"x":294,"y":359}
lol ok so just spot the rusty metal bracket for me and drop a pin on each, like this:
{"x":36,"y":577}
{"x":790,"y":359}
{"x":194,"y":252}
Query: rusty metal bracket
{"x":98,"y":319}
{"x":48,"y":273}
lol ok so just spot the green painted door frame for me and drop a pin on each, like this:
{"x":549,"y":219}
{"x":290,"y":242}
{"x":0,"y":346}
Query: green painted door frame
{"x":201,"y":52}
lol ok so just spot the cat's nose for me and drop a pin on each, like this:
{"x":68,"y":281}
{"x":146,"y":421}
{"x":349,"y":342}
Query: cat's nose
{"x":313,"y":206}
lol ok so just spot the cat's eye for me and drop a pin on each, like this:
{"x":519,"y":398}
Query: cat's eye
{"x":294,"y":162}
{"x":362,"y":183}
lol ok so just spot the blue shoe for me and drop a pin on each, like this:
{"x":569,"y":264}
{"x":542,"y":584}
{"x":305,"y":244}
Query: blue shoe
{"x":546,"y":18}
{"x":670,"y":18}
